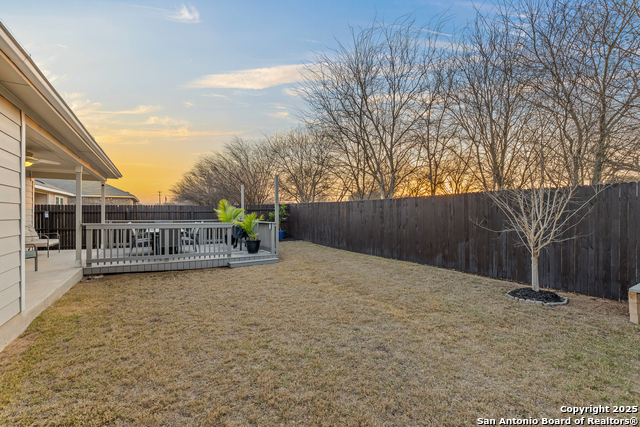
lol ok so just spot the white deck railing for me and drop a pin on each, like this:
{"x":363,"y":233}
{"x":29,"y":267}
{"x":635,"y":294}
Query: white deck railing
{"x":268,"y":235}
{"x":116,"y":243}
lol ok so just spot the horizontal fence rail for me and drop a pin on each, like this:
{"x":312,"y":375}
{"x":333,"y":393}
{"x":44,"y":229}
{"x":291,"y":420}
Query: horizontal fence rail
{"x":114,"y":244}
{"x":457,"y":232}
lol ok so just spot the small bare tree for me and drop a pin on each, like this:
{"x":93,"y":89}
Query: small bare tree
{"x":539,"y":214}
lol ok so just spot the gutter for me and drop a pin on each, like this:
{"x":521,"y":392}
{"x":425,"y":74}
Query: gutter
{"x":51,"y":190}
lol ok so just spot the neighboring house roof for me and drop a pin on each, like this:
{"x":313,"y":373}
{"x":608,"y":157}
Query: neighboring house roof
{"x":44,"y":186}
{"x":89,"y":188}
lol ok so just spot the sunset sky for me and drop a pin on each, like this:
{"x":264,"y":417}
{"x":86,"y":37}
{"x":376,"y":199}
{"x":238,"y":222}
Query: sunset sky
{"x":159,"y":83}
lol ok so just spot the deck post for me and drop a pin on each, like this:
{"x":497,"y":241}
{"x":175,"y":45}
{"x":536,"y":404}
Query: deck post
{"x":78,"y":263}
{"x":242,"y":196}
{"x":276,"y":243}
{"x":89,"y":249}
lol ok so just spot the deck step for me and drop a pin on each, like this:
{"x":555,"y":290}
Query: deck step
{"x":260,"y":261}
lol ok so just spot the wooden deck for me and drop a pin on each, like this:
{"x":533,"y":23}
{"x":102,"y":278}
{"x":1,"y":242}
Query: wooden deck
{"x":237,"y":258}
{"x":166,"y":246}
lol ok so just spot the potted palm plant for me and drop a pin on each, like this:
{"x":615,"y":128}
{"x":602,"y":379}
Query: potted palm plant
{"x":248,"y":224}
{"x":227,"y":212}
{"x":282,"y":217}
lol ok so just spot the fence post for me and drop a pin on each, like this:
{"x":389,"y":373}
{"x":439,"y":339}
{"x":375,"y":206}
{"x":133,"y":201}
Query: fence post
{"x":276,"y":242}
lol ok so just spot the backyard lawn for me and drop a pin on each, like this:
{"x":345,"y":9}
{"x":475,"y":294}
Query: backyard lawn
{"x":325,"y":337}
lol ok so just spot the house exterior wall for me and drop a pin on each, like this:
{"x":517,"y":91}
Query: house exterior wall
{"x":10,"y":187}
{"x":107,"y":201}
{"x":41,"y":199}
{"x":49,"y":199}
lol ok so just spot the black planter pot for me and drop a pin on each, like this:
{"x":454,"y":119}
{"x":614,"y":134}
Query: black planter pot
{"x":253,"y":246}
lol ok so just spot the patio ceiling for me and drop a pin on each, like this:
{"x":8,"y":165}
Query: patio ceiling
{"x":41,"y":146}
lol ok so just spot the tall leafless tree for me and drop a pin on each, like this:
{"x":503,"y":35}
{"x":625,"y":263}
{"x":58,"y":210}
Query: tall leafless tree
{"x":492,"y":108}
{"x":369,"y":95}
{"x":584,"y":60}
{"x":436,"y":132}
{"x":304,"y":160}
{"x":219,"y":175}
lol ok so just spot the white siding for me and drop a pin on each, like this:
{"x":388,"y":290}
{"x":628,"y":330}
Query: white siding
{"x":10,"y":184}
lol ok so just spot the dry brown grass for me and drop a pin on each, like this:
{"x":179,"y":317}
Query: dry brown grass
{"x":325,"y":337}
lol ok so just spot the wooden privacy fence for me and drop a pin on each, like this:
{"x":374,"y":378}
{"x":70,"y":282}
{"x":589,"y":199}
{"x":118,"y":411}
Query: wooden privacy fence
{"x":265,"y":209}
{"x":455,"y":232}
{"x":61,"y":218}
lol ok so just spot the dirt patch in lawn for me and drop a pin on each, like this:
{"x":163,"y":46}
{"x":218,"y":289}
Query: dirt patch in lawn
{"x":325,"y":337}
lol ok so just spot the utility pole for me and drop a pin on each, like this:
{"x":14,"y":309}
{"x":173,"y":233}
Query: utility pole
{"x":159,"y":199}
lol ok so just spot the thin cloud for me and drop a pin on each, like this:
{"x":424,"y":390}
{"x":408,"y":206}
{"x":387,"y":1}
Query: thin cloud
{"x":257,"y":78}
{"x":86,"y":107}
{"x":115,"y":136}
{"x":188,"y":104}
{"x":52,"y":77}
{"x":292,"y":91}
{"x":75,"y":95}
{"x":106,"y":139}
{"x":186,"y":15}
{"x":167,"y":121}
{"x":140,"y":109}
{"x":213,"y":95}
{"x":280,"y":114}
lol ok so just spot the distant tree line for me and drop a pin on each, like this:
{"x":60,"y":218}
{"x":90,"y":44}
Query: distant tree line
{"x":531,"y":94}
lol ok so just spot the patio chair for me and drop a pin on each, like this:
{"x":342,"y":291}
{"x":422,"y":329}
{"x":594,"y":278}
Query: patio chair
{"x":29,"y":254}
{"x":139,"y":240}
{"x":190,"y":237}
{"x":238,"y":234}
{"x":41,"y":240}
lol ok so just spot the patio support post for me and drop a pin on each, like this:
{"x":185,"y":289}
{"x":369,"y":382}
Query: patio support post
{"x":242,"y":196}
{"x":103,"y":213}
{"x":276,"y":242}
{"x":78,"y":263}
{"x":23,"y":209}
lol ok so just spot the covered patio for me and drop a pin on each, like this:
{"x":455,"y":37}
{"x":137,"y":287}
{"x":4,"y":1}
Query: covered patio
{"x":55,"y":276}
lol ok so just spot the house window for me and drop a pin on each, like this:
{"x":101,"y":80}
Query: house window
{"x":59,"y":201}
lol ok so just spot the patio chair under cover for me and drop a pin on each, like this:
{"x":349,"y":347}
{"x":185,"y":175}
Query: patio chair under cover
{"x":41,"y":240}
{"x":238,"y":234}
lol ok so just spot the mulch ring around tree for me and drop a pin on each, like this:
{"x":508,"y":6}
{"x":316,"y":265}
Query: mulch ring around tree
{"x":547,"y":298}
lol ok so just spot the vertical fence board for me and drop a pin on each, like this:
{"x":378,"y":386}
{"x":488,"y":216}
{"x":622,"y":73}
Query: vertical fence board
{"x":632,"y":242}
{"x":622,"y":256}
